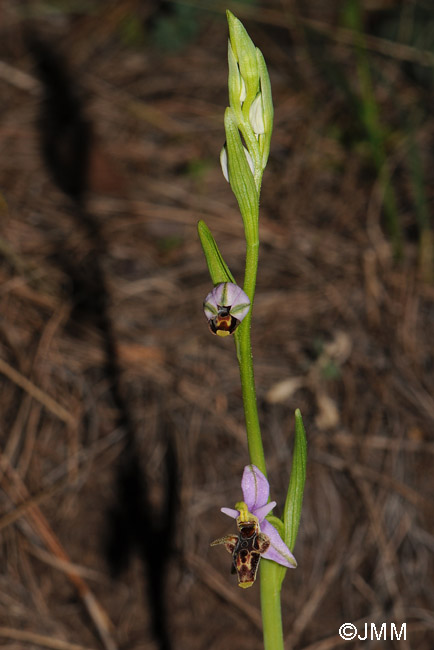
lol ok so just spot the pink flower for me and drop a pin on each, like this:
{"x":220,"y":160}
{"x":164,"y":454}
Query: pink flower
{"x":225,"y":307}
{"x":256,"y":491}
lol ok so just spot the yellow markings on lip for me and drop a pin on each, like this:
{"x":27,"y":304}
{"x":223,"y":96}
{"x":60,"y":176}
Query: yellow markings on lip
{"x":222,"y":333}
{"x":245,"y":585}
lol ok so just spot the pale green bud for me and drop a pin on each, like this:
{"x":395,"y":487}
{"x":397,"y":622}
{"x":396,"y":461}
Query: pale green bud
{"x":248,"y":123}
{"x":244,"y":53}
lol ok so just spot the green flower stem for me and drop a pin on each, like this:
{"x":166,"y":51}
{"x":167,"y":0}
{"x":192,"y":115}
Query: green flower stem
{"x":270,"y":582}
{"x":270,"y":607}
{"x":245,"y":361}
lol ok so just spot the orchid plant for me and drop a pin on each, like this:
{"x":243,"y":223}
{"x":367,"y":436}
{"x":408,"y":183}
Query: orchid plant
{"x":228,"y":308}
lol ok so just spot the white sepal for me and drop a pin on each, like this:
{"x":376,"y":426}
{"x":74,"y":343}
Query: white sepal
{"x":256,"y":115}
{"x":224,"y":162}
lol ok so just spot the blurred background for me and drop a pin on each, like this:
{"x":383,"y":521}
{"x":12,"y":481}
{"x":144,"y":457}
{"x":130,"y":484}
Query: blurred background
{"x":121,"y":416}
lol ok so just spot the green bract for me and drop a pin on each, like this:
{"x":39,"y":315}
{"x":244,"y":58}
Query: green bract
{"x":294,"y":498}
{"x":241,"y":177}
{"x":267,"y":107}
{"x":236,"y":84}
{"x":217,"y":267}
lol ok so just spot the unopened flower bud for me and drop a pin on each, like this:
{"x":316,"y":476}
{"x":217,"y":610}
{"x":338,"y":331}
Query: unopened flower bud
{"x":244,"y":54}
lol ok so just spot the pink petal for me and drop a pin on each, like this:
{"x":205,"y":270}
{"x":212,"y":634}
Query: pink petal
{"x":262,"y":512}
{"x":278,"y":551}
{"x":233,"y":295}
{"x":210,"y":305}
{"x":255,"y":487}
{"x":230,"y":512}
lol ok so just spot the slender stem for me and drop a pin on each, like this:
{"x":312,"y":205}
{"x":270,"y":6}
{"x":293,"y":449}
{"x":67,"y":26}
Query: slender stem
{"x":270,"y":606}
{"x":245,"y":360}
{"x":270,"y":585}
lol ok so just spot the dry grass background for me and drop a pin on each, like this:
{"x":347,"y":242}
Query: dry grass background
{"x":340,"y":330}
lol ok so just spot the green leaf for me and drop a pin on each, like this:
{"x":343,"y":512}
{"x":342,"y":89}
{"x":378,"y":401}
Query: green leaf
{"x":217,"y":267}
{"x":241,"y":178}
{"x":294,"y":498}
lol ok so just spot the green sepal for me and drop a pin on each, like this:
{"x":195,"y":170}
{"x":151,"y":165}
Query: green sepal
{"x":267,"y":103}
{"x":217,"y":267}
{"x":241,"y":178}
{"x":294,"y":498}
{"x":280,"y":570}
